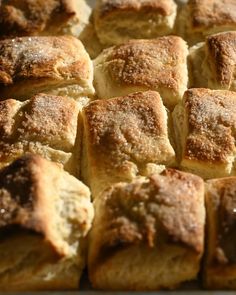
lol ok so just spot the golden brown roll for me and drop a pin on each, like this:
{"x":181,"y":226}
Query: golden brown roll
{"x":200,"y":18}
{"x":139,"y":65}
{"x":220,"y":259}
{"x":47,"y":125}
{"x":148,"y":235}
{"x":124,"y":137}
{"x":213,"y":62}
{"x":51,"y":17}
{"x":57,"y":65}
{"x":205,"y":123}
{"x":45,"y":216}
{"x":117,"y":21}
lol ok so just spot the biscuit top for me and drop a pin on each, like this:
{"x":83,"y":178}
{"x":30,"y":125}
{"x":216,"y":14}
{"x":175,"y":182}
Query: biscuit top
{"x":48,"y":119}
{"x":21,"y":18}
{"x":222,"y":57}
{"x":26,"y":193}
{"x":107,"y":7}
{"x":211,"y":121}
{"x":43,"y":60}
{"x":210,"y":13}
{"x":222,"y":193}
{"x":150,"y":63}
{"x":38,"y":197}
{"x":166,"y":208}
{"x":129,"y":128}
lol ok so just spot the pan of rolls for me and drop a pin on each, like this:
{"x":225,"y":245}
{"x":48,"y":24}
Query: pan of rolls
{"x":117,"y":144}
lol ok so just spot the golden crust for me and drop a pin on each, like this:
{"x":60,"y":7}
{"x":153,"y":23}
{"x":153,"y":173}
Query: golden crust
{"x":26,"y":18}
{"x":45,"y":118}
{"x":124,"y":134}
{"x":210,"y":13}
{"x":107,"y":7}
{"x":128,"y":222}
{"x":211,"y":120}
{"x":221,"y":256}
{"x":221,"y":53}
{"x":44,"y":121}
{"x":32,"y":64}
{"x":23,"y":193}
{"x":157,"y":64}
{"x":149,"y":214}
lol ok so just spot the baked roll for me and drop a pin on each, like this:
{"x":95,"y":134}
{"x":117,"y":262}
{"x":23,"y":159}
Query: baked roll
{"x":205,"y":132}
{"x":124,"y":137}
{"x":45,"y":216}
{"x":139,"y":65}
{"x":51,"y":17}
{"x":117,"y":21}
{"x":90,"y":39}
{"x":220,"y":258}
{"x":57,"y":65}
{"x":148,"y":235}
{"x":200,"y":18}
{"x":47,"y":125}
{"x":213,"y":62}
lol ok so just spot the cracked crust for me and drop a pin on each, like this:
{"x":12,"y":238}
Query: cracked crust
{"x":45,"y":124}
{"x":123,"y":136}
{"x":152,"y":213}
{"x":139,"y":65}
{"x":30,"y":65}
{"x":205,"y":126}
{"x":53,"y":17}
{"x":221,"y":256}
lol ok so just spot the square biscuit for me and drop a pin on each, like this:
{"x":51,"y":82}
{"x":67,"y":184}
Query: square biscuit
{"x":200,"y":18}
{"x":45,"y":124}
{"x":205,"y":124}
{"x":220,"y":259}
{"x":148,"y":234}
{"x":139,"y":65}
{"x":124,"y":137}
{"x":34,"y":18}
{"x":45,"y":216}
{"x":56,"y":65}
{"x":117,"y":21}
{"x":213,"y":62}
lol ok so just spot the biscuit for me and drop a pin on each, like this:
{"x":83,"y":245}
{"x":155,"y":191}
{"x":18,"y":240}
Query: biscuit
{"x":56,"y":65}
{"x":124,"y":137}
{"x":35,"y":18}
{"x":148,"y":234}
{"x":205,"y":124}
{"x":45,"y":217}
{"x":139,"y":65}
{"x":45,"y":124}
